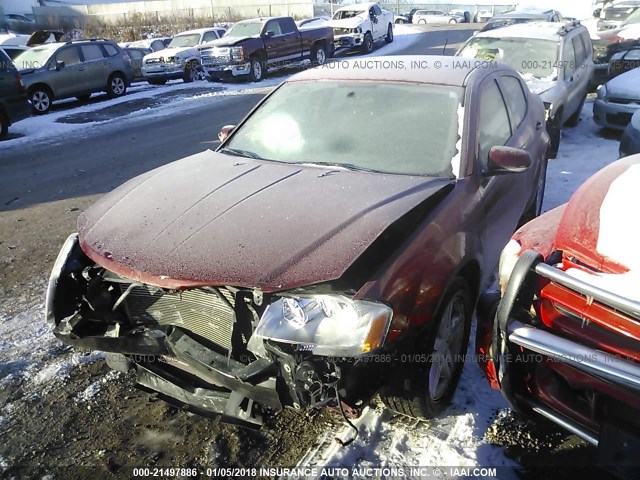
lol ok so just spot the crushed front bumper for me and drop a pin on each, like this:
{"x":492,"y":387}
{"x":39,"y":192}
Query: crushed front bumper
{"x":350,"y":40}
{"x":162,"y":72}
{"x":540,"y":370}
{"x":613,"y":115}
{"x":232,"y":70}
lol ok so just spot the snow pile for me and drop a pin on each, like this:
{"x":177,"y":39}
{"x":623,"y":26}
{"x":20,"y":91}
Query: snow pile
{"x":92,"y":390}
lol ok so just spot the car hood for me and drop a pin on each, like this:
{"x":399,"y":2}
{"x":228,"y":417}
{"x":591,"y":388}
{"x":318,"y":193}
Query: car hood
{"x":626,"y":85}
{"x":214,"y":219}
{"x":594,"y":226}
{"x":226,"y":42}
{"x":346,"y":22}
{"x":171,"y":52}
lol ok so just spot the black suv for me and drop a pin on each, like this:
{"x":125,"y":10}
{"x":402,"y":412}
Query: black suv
{"x":14,"y":105}
{"x":73,"y":69}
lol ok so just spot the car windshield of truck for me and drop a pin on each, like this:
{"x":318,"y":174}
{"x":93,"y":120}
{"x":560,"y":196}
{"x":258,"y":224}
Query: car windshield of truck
{"x":36,"y":57}
{"x":187,"y":40}
{"x":373,"y":126}
{"x":244,"y":29}
{"x":342,"y":14}
{"x":530,"y":57}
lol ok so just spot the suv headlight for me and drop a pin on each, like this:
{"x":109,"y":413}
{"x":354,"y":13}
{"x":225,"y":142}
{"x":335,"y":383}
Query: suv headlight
{"x":173,"y":60}
{"x":602,"y":92}
{"x":326,"y":324}
{"x":508,"y":259}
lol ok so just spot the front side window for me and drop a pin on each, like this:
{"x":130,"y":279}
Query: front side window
{"x":110,"y":49}
{"x":322,"y":122}
{"x":209,"y":36}
{"x":515,"y":99}
{"x":495,"y":129}
{"x":273,"y":26}
{"x":68,"y":55}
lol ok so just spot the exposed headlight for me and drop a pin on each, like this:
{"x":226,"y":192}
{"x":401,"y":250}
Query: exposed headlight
{"x":326,"y":324}
{"x":237,"y":54}
{"x":357,"y":30}
{"x":602,"y":92}
{"x":508,"y":258}
{"x":175,"y":60}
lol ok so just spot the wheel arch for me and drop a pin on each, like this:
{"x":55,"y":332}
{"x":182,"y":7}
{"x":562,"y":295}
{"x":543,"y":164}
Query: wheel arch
{"x":43,"y":86}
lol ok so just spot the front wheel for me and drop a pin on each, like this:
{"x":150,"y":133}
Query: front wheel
{"x":192,"y":72}
{"x":427,"y":384}
{"x":117,"y":86}
{"x":4,"y":126}
{"x":367,"y":44}
{"x":40,"y":100}
{"x":389,"y":37}
{"x":257,"y":69}
{"x":453,"y":20}
{"x":422,"y":22}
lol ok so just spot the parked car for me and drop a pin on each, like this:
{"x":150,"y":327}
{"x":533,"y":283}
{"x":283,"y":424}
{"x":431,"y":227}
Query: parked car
{"x":13,"y":50}
{"x":181,"y":59}
{"x":251,"y":47}
{"x":563,"y":342}
{"x":313,"y":22}
{"x":465,"y":15}
{"x":405,"y":17}
{"x":153,"y":44}
{"x":513,"y":18}
{"x":614,"y":15}
{"x":435,"y":16}
{"x":483,"y":16}
{"x":325,"y":273}
{"x":624,"y":61}
{"x":618,"y":100}
{"x":73,"y":69}
{"x":136,"y":55}
{"x":630,"y":140}
{"x":361,"y":25}
{"x":555,"y":60}
{"x":14,"y":105}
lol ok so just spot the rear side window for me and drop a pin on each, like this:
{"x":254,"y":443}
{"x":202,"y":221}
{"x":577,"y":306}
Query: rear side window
{"x":287,"y":25}
{"x":68,"y":55}
{"x":135,"y":54}
{"x":110,"y":49}
{"x":515,"y":100}
{"x":568,"y":59}
{"x":495,"y":128}
{"x":91,"y":52}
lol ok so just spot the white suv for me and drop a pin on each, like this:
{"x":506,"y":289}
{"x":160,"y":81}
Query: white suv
{"x":556,"y":61}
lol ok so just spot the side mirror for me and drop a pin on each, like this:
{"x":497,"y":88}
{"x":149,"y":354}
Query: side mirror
{"x":507,"y":160}
{"x":59,"y":65}
{"x":225,"y":132}
{"x":270,"y":33}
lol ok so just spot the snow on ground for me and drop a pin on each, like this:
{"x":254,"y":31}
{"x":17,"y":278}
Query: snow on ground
{"x":456,"y":439}
{"x":44,"y":127}
{"x":93,"y":389}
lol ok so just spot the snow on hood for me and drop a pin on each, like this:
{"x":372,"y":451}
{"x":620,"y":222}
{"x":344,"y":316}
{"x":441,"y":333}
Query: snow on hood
{"x":630,"y":32}
{"x":352,"y":22}
{"x":172,"y":52}
{"x":539,"y":85}
{"x":214,"y":219}
{"x":626,"y":85}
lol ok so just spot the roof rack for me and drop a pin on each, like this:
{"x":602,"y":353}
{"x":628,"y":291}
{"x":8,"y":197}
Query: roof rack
{"x":69,"y":42}
{"x":568,"y":26}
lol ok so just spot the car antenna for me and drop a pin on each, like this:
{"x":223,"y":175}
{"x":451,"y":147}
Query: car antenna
{"x":446,"y":41}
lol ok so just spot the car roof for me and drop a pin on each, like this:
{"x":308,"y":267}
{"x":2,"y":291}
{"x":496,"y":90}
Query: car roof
{"x":410,"y":68}
{"x":354,"y":6}
{"x":537,"y":30}
{"x":520,"y":15}
{"x":197,"y":30}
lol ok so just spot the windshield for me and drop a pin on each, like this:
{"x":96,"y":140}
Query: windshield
{"x":537,"y":58}
{"x":383,"y":127}
{"x":188,"y":40}
{"x":633,"y":18}
{"x":341,"y":15}
{"x":36,"y":57}
{"x":244,"y":29}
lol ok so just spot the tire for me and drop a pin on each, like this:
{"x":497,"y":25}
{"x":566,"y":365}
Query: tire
{"x":400,"y":22}
{"x":452,"y":21}
{"x":257,"y":69}
{"x":367,"y":44}
{"x":83,"y":98}
{"x":422,"y":22}
{"x":420,"y":392}
{"x":192,"y":72}
{"x":116,"y":86}
{"x":535,"y":209}
{"x":319,"y":55}
{"x":574,"y":119}
{"x":554,"y":129}
{"x":4,"y":126}
{"x":157,"y":81}
{"x":41,"y":100}
{"x":389,"y":37}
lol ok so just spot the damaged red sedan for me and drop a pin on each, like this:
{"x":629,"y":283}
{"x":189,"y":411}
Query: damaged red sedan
{"x":564,"y":341}
{"x":331,"y":248}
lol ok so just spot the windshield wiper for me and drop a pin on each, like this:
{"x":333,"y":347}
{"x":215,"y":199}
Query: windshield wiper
{"x":242,"y":153}
{"x":346,"y":166}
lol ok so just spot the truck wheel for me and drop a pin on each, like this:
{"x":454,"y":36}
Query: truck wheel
{"x":427,"y":384}
{"x":574,"y":119}
{"x":116,"y":86}
{"x":257,"y":69}
{"x":192,"y":72}
{"x":453,"y":20}
{"x":422,"y":22}
{"x":367,"y":44}
{"x":319,"y":55}
{"x":389,"y":37}
{"x":41,"y":100}
{"x":399,"y":21}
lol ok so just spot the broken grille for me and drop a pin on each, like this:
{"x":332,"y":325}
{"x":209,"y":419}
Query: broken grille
{"x":207,"y":312}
